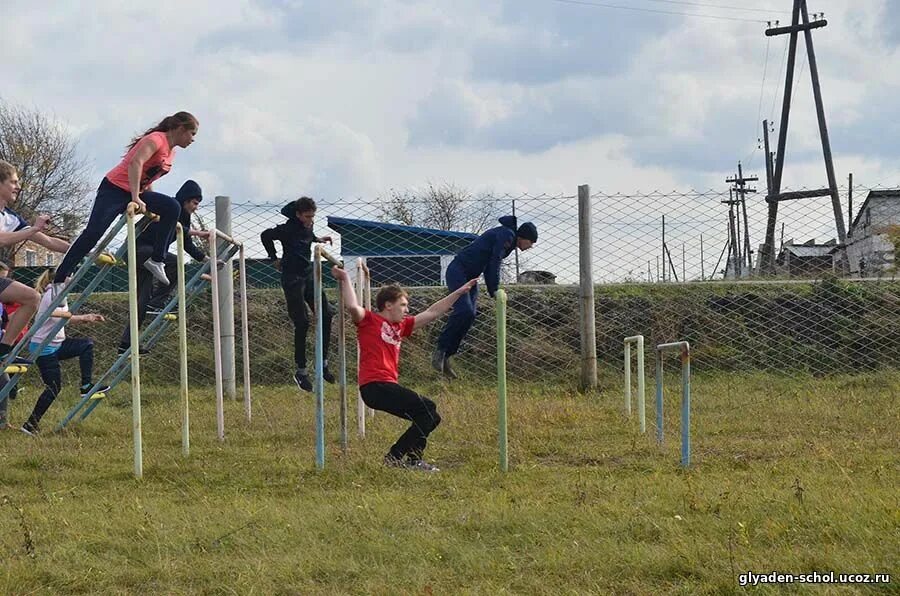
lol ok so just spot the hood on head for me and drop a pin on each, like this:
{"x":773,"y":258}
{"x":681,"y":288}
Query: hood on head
{"x":508,"y":221}
{"x":289,"y":210}
{"x":189,"y":190}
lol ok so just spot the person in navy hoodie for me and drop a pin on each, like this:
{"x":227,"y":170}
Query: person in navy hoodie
{"x":152,"y":295}
{"x":296,"y":236}
{"x":482,"y":256}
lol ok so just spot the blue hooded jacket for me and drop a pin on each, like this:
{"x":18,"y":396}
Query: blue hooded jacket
{"x":487,"y":251}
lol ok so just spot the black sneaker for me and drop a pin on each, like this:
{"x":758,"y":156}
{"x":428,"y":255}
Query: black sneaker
{"x":437,"y":360}
{"x":142,"y":351}
{"x":30,"y":429}
{"x":327,"y":376}
{"x":303,"y":381}
{"x":421,"y":465}
{"x":19,"y":361}
{"x":393,"y":462}
{"x":85,"y":389}
{"x":448,"y":372}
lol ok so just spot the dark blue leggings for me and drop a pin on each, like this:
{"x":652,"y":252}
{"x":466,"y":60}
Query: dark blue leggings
{"x":110,"y":203}
{"x":51,"y":373}
{"x":463,"y":314}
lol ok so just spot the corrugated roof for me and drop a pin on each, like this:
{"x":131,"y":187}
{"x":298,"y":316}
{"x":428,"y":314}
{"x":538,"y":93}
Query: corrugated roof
{"x":335,"y":223}
{"x":802,"y":250}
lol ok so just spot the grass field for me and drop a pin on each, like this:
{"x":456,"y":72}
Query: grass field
{"x":792,"y":475}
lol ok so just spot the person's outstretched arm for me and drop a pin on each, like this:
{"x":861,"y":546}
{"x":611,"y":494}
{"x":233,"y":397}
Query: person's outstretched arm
{"x":443,"y":305}
{"x":356,"y":311}
{"x":50,"y":242}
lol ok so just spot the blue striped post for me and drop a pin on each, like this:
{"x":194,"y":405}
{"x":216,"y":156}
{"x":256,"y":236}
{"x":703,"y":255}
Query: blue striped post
{"x":685,"y":350}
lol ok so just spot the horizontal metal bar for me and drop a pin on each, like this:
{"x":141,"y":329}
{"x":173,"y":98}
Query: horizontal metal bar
{"x":328,"y":257}
{"x":223,"y":236}
{"x":799,"y":194}
{"x":678,"y":345}
{"x":791,"y":28}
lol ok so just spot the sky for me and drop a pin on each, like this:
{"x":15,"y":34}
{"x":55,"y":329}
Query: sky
{"x":349,"y":98}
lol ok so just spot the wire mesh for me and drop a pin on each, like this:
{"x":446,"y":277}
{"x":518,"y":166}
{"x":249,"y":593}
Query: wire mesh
{"x":827,"y":307}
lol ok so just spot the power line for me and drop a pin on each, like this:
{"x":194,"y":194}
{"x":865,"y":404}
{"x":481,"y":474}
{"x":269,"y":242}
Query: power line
{"x":722,"y":7}
{"x":657,"y":11}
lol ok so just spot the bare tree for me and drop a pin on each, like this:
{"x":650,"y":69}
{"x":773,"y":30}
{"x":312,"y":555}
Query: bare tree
{"x":444,"y":206}
{"x":54,"y":177}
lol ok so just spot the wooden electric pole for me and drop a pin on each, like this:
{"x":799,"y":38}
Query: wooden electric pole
{"x":775,"y":195}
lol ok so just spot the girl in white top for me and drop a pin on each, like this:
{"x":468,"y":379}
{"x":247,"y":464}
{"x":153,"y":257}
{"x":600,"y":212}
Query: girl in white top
{"x":57,"y":349}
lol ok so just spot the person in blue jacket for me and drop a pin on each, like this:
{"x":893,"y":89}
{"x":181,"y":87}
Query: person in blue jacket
{"x":483,"y":255}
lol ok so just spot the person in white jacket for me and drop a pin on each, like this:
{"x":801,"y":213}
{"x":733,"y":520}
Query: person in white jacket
{"x":57,"y":349}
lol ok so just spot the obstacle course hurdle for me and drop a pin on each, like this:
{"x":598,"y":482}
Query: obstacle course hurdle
{"x":685,"y":350}
{"x":638,"y":340}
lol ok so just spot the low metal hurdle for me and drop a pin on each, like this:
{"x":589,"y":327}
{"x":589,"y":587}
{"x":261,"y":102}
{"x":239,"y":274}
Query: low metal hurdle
{"x":364,"y":293}
{"x":320,"y":254}
{"x":685,"y":349}
{"x":638,"y":340}
{"x":217,"y":328}
{"x":501,"y":379}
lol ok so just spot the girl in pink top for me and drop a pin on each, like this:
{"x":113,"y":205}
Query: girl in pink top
{"x":149,"y":157}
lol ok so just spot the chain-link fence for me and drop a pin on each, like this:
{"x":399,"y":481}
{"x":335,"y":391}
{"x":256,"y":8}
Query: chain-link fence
{"x":670,"y":266}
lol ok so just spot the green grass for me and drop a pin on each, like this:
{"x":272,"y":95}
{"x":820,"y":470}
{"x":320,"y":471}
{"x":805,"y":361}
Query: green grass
{"x":789,"y":474}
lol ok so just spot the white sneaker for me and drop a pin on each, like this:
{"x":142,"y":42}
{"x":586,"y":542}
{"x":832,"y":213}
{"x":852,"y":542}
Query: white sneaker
{"x":158,"y":270}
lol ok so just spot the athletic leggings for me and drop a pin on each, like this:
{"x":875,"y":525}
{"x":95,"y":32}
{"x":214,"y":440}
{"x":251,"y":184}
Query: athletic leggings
{"x":409,"y":405}
{"x":51,"y":373}
{"x":109,"y":204}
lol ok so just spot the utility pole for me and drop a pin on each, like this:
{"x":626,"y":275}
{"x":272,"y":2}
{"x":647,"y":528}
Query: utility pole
{"x":740,"y":191}
{"x":775,"y":195}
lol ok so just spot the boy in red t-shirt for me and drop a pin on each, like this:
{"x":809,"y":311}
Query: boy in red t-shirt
{"x":380,"y":335}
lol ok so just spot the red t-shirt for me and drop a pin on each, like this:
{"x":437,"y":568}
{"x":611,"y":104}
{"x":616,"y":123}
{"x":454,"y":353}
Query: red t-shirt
{"x":379,"y":347}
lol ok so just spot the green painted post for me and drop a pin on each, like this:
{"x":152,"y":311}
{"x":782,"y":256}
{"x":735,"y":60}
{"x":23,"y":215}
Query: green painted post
{"x":501,"y":378}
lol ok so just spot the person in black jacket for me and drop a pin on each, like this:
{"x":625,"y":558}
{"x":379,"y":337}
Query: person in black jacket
{"x":296,"y":237}
{"x":153,"y":296}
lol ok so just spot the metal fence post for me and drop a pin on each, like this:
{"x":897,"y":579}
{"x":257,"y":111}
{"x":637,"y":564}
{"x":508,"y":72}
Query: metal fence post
{"x":586,"y":291}
{"x":226,"y":298}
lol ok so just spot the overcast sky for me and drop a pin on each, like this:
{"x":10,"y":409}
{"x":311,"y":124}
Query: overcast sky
{"x":347,"y":98}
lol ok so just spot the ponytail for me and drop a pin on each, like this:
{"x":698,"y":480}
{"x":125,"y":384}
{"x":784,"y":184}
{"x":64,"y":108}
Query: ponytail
{"x":43,"y":281}
{"x":176,"y":120}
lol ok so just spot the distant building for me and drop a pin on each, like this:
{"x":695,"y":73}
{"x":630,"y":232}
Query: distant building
{"x":806,"y":260}
{"x":869,"y":246}
{"x":537,"y":277}
{"x":34,"y":255}
{"x":408,"y":255}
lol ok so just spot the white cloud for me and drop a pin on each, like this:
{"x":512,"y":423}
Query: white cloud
{"x":348,"y":99}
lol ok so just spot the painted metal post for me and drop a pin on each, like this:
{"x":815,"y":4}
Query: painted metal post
{"x":217,"y":334}
{"x":135,"y":345}
{"x":342,"y":373}
{"x":638,"y":340}
{"x":225,"y":297}
{"x":245,"y":334}
{"x":360,"y":405}
{"x":501,"y":378}
{"x":182,"y":345}
{"x":686,"y":405}
{"x":320,"y":383}
{"x":685,"y":350}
